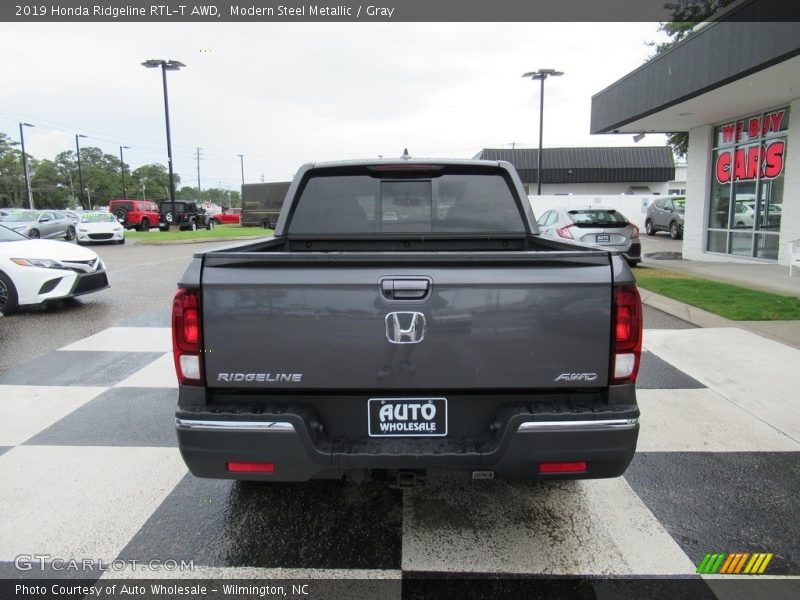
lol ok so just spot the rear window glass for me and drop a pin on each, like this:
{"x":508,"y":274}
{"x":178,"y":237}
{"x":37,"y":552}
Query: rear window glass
{"x":362,"y":204}
{"x":591,"y":217}
{"x":125,"y":205}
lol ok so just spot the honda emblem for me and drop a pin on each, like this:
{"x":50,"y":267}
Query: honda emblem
{"x":405,"y":327}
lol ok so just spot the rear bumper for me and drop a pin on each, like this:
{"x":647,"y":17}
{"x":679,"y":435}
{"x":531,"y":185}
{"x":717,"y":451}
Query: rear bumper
{"x":209,"y":441}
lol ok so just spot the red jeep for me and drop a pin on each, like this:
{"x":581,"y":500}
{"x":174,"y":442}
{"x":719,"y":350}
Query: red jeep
{"x":135,"y":214}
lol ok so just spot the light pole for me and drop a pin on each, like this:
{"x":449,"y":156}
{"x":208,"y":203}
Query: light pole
{"x":167,"y":65}
{"x":541,"y":75}
{"x":122,"y":170}
{"x":241,"y":161}
{"x":80,"y":172}
{"x":25,"y":164}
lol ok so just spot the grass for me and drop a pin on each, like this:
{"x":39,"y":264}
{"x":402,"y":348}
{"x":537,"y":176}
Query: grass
{"x":174,"y":235}
{"x":729,"y":301}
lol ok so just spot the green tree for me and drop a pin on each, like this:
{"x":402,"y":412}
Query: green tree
{"x":48,"y":185}
{"x":151,"y":182}
{"x":12,"y":181}
{"x":685,"y":14}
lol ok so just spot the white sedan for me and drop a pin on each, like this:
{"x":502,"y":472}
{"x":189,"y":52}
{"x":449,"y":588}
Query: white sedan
{"x":36,"y":271}
{"x":99,"y":227}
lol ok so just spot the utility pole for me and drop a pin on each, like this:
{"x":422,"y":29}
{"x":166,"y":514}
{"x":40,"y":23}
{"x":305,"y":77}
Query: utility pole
{"x":241,"y":161}
{"x":198,"y":172}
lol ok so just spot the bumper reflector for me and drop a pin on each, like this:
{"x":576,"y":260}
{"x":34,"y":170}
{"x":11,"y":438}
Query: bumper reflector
{"x":562,"y":467}
{"x":251,"y":467}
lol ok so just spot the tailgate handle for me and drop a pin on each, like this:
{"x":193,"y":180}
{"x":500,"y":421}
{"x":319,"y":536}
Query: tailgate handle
{"x":405,"y":289}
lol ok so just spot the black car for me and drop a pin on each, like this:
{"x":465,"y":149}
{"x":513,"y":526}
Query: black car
{"x":188,"y":216}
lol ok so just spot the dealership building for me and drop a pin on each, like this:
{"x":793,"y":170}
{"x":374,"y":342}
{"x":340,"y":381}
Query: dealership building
{"x":734,"y":85}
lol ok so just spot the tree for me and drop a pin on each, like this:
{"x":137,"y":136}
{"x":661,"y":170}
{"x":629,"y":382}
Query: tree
{"x":685,"y":15}
{"x":153,"y":181}
{"x":12,"y":188}
{"x":48,"y":186}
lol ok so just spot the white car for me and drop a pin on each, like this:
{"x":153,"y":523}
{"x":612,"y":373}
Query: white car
{"x":99,"y":227}
{"x":36,"y":271}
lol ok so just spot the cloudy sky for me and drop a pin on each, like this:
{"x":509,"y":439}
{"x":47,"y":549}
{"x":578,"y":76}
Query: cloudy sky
{"x":283,"y":94}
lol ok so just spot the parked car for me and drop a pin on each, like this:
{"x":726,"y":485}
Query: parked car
{"x":71,"y":214}
{"x":100,"y":227}
{"x":743,"y":216}
{"x":135,"y":214}
{"x":666,"y":214}
{"x":596,"y":226}
{"x":41,"y":224}
{"x":228,"y":216}
{"x":456,"y":339}
{"x":188,"y":216}
{"x":37,"y":271}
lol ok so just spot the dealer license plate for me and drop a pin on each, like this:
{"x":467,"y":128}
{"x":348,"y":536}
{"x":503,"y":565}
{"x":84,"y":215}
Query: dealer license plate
{"x":603,"y":238}
{"x":407,"y":417}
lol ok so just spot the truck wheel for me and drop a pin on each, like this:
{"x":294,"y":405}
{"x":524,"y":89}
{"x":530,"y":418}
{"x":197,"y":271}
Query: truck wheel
{"x":675,"y":230}
{"x":265,"y":223}
{"x":122,"y":215}
{"x":648,"y":227}
{"x":193,"y":226}
{"x":144,"y":225}
{"x":211,"y":224}
{"x":8,"y":295}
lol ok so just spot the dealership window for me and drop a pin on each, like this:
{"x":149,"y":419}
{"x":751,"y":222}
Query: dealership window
{"x":746,"y":203}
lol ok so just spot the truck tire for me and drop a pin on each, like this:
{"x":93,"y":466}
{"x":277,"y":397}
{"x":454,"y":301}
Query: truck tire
{"x":211,"y":224}
{"x":144,"y":225}
{"x":192,"y":226}
{"x":122,"y":215}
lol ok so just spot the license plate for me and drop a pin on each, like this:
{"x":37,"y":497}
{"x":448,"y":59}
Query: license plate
{"x":407,"y":417}
{"x":603,"y":238}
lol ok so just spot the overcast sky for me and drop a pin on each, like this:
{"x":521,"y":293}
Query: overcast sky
{"x":286,"y":94}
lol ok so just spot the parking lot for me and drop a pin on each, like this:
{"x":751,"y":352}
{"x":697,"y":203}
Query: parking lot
{"x":90,"y":468}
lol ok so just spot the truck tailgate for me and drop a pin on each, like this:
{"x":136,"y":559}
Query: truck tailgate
{"x":415,"y":322}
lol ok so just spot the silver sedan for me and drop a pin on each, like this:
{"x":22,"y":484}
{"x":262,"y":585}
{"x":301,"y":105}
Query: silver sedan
{"x":595,"y":226}
{"x":44,"y":224}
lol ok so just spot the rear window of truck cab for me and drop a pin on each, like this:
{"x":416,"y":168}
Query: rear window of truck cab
{"x":393,"y":203}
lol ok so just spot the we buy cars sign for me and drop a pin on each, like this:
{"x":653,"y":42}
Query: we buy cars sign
{"x":764,"y":160}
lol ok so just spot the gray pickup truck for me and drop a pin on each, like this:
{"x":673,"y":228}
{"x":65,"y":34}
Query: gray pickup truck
{"x":406,"y":316}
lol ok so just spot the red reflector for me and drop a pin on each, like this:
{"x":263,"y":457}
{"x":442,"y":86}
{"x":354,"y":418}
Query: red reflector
{"x":623,"y":323}
{"x":562,"y":467}
{"x":191,"y":329}
{"x":251,"y":467}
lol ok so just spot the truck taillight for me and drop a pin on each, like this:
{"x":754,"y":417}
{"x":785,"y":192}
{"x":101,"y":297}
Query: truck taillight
{"x":627,"y":334}
{"x":186,"y":336}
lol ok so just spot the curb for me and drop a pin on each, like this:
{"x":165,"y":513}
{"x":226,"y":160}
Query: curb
{"x":785,"y":332}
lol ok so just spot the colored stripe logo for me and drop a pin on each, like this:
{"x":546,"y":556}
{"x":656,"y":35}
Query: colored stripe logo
{"x":738,"y":563}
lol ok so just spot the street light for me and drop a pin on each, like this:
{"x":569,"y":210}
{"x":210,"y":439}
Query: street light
{"x":25,"y":164}
{"x":541,"y":75}
{"x":122,"y":170}
{"x":80,"y":172}
{"x":167,"y":65}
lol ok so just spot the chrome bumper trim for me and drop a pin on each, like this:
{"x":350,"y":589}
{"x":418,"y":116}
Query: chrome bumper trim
{"x":582,"y":425}
{"x":192,"y":425}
